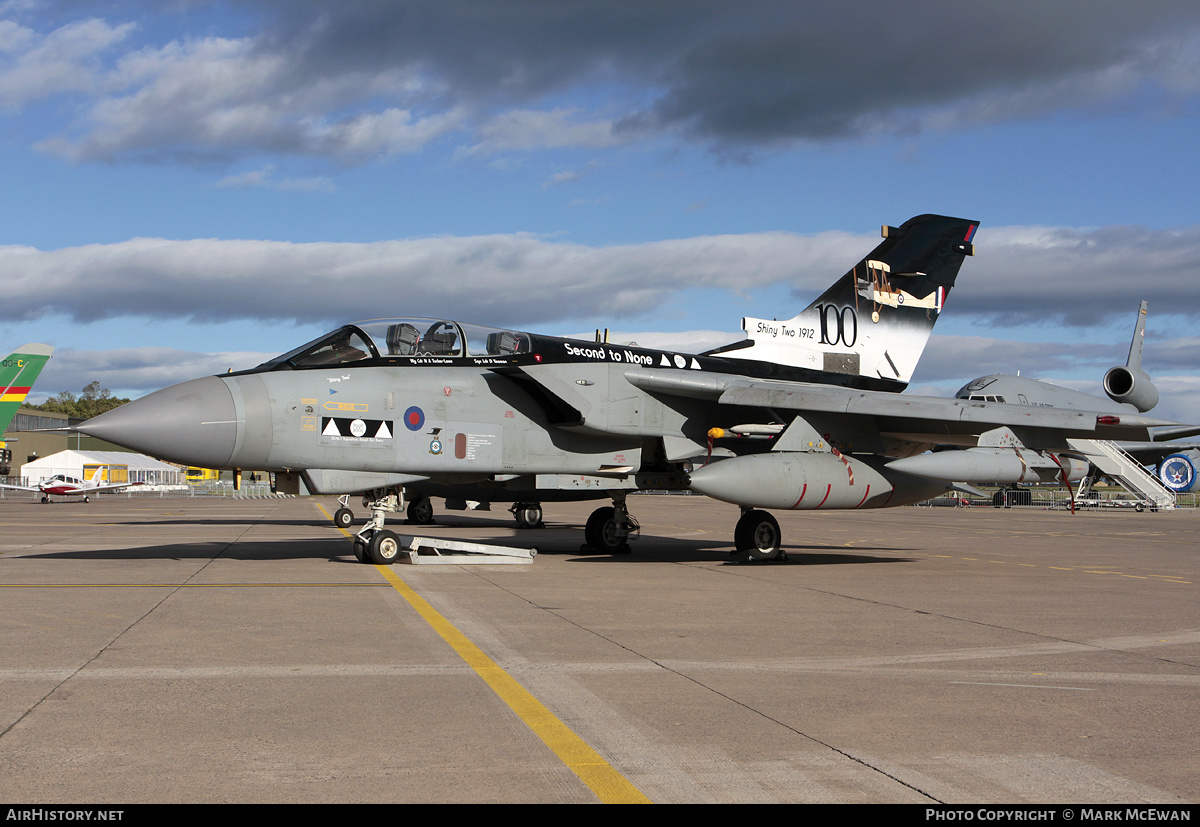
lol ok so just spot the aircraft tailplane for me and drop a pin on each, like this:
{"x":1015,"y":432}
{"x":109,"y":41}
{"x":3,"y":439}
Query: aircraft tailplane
{"x":1139,"y":339}
{"x":875,"y":320}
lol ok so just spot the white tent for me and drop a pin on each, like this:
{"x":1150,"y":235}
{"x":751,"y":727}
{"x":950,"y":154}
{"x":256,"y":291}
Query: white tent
{"x":141,"y":468}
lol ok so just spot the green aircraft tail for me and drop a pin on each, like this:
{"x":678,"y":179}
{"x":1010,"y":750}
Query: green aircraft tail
{"x":18,"y":372}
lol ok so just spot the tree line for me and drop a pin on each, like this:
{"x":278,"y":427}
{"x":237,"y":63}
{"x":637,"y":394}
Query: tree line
{"x":94,"y":401}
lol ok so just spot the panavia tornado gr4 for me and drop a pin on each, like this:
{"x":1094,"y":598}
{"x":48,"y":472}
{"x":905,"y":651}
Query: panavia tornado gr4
{"x":804,"y":413}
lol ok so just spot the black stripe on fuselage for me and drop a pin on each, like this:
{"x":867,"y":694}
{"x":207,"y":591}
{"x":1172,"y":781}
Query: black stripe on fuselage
{"x":549,"y":350}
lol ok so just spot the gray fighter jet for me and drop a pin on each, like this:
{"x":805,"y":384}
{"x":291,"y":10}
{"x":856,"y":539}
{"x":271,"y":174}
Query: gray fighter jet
{"x":804,"y":413}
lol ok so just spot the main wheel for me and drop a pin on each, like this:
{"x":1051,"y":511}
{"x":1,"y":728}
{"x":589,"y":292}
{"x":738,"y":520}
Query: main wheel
{"x":603,"y":534}
{"x":529,"y":515}
{"x":385,"y":548}
{"x":343,"y":518}
{"x":361,"y":553}
{"x":420,"y":511}
{"x":756,"y":537}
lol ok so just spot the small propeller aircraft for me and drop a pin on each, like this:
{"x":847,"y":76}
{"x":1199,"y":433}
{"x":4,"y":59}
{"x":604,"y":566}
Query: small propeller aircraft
{"x":805,"y":413}
{"x":62,"y":485}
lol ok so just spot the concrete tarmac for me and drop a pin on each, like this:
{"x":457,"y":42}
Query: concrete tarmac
{"x":219,"y":650}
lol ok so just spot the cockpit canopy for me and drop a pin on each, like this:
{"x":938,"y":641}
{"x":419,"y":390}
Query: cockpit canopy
{"x":384,"y":338}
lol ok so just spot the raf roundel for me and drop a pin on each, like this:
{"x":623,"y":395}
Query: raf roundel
{"x":414,"y":418}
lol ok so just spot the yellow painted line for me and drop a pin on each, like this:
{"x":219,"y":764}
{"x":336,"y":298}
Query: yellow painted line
{"x":601,"y":778}
{"x":184,"y":585}
{"x":609,"y":785}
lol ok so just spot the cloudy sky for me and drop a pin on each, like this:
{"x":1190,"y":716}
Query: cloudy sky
{"x":192,"y":186}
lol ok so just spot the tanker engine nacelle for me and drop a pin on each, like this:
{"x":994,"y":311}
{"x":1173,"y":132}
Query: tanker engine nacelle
{"x":800,"y":480}
{"x":1130,"y":386}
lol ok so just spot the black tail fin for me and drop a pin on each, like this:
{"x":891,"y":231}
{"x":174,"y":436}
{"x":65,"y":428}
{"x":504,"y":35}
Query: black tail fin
{"x":875,"y":320}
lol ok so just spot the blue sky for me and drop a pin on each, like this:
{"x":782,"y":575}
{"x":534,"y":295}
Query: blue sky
{"x":193,"y":186}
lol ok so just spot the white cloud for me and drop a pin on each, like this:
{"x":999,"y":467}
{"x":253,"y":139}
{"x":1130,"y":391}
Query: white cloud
{"x":391,"y":132}
{"x":1018,"y":274}
{"x":65,"y":60}
{"x":354,"y":81}
{"x":265,"y":178}
{"x":570,"y":176}
{"x":1080,"y":275}
{"x":225,"y":97}
{"x":523,"y":130}
{"x":502,"y":279}
{"x":134,"y":371}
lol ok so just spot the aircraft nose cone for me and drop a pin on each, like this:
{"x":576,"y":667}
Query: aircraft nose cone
{"x":193,"y":423}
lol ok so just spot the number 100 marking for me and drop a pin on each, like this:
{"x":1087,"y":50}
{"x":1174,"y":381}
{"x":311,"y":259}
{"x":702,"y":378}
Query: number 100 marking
{"x":839,"y":326}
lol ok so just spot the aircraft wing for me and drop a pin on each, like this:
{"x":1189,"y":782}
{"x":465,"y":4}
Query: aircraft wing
{"x":1149,"y":453}
{"x":878,"y":413}
{"x":19,"y":487}
{"x":114,"y":487}
{"x":1161,"y":434}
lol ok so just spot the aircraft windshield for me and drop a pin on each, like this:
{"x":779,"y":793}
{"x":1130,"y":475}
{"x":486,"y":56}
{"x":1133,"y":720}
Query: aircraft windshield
{"x":401,"y":337}
{"x":346,"y":344}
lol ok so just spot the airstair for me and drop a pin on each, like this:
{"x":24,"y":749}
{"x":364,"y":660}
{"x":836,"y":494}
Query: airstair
{"x":1108,"y":457}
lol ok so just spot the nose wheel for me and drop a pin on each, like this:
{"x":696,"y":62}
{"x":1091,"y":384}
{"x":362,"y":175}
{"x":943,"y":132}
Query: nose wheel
{"x":343,"y":517}
{"x":374,"y":543}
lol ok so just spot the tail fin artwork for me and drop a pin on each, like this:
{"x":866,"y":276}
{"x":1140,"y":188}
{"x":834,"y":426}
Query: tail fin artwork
{"x":18,"y":372}
{"x":875,"y":320}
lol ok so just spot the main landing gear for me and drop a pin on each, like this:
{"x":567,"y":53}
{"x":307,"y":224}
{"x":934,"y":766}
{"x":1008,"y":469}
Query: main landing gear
{"x":420,"y":511}
{"x":528,"y":515}
{"x":609,"y":529}
{"x":756,"y":537}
